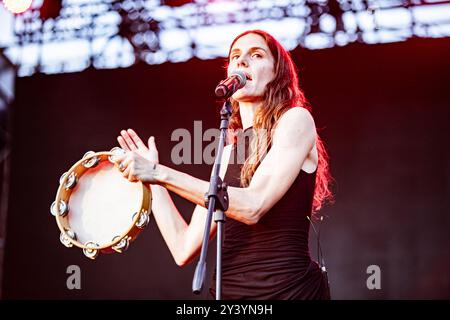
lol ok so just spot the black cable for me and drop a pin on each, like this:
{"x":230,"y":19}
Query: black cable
{"x":320,"y":258}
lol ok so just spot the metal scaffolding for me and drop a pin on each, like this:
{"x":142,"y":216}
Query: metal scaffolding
{"x":120,"y":33}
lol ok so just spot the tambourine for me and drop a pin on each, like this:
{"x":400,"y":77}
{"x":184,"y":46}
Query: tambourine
{"x":97,"y":209}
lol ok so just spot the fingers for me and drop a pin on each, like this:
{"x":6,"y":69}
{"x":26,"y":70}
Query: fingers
{"x":151,"y":143}
{"x":131,"y":145}
{"x":122,"y":161}
{"x":137,"y":141}
{"x":125,"y":161}
{"x":118,"y":159}
{"x":127,"y":174}
{"x":132,"y":140}
{"x":127,"y":169}
{"x":122,"y":143}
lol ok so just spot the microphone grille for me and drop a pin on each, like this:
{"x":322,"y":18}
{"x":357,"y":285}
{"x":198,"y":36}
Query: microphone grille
{"x":242,"y":77}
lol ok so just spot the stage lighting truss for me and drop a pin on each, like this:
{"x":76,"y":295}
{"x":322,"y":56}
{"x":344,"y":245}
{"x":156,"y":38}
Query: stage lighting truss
{"x":113,"y":33}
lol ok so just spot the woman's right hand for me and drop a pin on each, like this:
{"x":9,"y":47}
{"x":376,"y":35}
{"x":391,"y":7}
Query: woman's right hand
{"x":130,"y":141}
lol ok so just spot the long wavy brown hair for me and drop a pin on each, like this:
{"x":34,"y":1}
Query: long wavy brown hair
{"x":281,"y":94}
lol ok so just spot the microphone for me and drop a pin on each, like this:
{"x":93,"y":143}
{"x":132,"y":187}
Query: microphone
{"x":226,"y":88}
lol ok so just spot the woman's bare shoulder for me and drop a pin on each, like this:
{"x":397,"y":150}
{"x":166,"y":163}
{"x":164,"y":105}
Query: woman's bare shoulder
{"x":296,"y":116}
{"x":295,"y":125}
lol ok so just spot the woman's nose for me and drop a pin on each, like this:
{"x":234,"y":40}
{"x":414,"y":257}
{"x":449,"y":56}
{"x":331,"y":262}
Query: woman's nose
{"x":242,"y":61}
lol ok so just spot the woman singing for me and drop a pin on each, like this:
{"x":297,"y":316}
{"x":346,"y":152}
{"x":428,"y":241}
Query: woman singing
{"x":282,"y":180}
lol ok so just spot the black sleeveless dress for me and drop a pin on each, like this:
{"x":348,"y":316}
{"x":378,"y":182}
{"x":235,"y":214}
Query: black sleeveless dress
{"x":270,"y":260}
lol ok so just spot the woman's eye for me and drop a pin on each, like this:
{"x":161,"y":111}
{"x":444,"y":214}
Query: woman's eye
{"x":234,"y":57}
{"x":257,"y":55}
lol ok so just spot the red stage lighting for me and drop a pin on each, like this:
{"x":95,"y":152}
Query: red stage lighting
{"x":50,"y":9}
{"x":175,"y":3}
{"x":17,"y":6}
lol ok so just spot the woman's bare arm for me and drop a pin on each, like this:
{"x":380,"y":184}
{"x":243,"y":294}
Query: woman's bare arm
{"x":293,"y":140}
{"x":183,"y":239}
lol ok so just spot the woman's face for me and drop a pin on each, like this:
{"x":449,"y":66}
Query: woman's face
{"x":251,"y":55}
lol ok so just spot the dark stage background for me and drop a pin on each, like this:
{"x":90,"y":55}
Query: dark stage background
{"x":383,"y":111}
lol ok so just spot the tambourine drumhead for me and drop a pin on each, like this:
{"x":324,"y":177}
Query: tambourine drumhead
{"x":102,"y":205}
{"x":100,"y":210}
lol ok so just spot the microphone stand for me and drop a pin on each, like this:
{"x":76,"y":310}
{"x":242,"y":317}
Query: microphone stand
{"x":216,"y":200}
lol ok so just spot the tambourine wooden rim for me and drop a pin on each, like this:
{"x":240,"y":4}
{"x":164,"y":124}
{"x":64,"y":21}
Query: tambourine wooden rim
{"x":60,"y":209}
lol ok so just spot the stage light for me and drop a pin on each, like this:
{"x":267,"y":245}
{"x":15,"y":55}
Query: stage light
{"x":17,"y":6}
{"x":175,"y":3}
